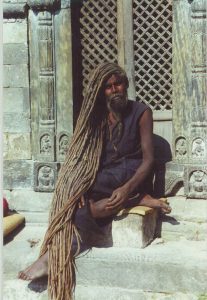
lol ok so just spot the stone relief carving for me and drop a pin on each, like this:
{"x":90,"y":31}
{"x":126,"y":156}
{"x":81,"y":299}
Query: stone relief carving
{"x":45,"y":144}
{"x":198,"y":182}
{"x":63,"y":144}
{"x":180,"y":147}
{"x":46,"y":177}
{"x":198,"y":148}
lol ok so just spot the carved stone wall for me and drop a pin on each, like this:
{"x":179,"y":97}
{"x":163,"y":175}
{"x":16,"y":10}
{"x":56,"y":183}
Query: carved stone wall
{"x":189,"y":96}
{"x":38,"y":115}
{"x":38,"y":82}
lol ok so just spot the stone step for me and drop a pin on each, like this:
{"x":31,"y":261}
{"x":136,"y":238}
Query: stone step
{"x":17,"y":289}
{"x":176,"y":230}
{"x":167,"y":268}
{"x":188,"y":220}
{"x":106,"y":293}
{"x":161,"y":268}
{"x":35,"y":206}
{"x":191,"y":210}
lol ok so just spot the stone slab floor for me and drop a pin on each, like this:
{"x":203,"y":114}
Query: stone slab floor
{"x":172,"y":267}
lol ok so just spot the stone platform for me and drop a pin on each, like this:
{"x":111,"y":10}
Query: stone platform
{"x":173,"y":266}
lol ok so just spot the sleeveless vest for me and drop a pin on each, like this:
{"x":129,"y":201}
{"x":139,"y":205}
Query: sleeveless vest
{"x":121,"y":155}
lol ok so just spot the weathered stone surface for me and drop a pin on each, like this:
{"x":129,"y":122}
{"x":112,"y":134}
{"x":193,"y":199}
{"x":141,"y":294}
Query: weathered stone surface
{"x":16,"y":123}
{"x":183,"y":230}
{"x":189,"y":94}
{"x":17,"y":174}
{"x":16,"y":100}
{"x":133,"y":230}
{"x":192,"y":210}
{"x":114,"y":293}
{"x":15,"y":31}
{"x":16,"y":289}
{"x":36,"y":218}
{"x":16,"y":76}
{"x":14,"y":10}
{"x":17,"y":146}
{"x":29,"y":201}
{"x":15,"y":54}
{"x":155,"y":268}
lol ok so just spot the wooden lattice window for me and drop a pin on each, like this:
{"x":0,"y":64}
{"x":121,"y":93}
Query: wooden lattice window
{"x":98,"y":28}
{"x":153,"y":52}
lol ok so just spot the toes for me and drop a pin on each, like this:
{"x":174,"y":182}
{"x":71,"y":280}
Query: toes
{"x":24,"y":276}
{"x":166,"y":209}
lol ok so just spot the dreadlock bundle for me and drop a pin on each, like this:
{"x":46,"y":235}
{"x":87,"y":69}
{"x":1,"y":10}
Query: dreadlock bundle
{"x":76,"y":177}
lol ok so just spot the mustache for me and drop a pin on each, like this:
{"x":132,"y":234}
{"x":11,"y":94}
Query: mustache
{"x":114,"y":96}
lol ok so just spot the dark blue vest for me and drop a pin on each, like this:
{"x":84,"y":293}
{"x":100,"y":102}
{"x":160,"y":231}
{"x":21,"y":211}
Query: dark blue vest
{"x":121,"y":155}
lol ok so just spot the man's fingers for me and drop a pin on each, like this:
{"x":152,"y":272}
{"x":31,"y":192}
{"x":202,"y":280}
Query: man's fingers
{"x":112,"y":198}
{"x":113,"y":205}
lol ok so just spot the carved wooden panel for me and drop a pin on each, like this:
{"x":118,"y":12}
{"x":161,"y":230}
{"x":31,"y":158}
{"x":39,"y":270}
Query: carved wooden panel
{"x":153,"y":52}
{"x":98,"y":34}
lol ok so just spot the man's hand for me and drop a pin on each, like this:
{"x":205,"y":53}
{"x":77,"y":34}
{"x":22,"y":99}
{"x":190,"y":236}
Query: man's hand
{"x":118,"y":198}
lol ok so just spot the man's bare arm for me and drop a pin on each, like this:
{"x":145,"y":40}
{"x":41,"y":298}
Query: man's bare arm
{"x":122,"y":194}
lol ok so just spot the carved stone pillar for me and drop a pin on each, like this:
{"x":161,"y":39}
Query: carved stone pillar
{"x":51,"y":89}
{"x":189,"y":99}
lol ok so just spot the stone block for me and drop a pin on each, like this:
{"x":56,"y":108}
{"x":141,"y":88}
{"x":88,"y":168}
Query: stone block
{"x":29,"y":201}
{"x":16,"y":76}
{"x":16,"y":100}
{"x":17,"y":174}
{"x":15,"y":31}
{"x":16,"y":122}
{"x":134,"y":230}
{"x":17,"y":146}
{"x":35,"y":218}
{"x":15,"y":54}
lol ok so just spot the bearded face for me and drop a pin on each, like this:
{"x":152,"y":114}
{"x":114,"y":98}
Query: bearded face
{"x":116,"y":94}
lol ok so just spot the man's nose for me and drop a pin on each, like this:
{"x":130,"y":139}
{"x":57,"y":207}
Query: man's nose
{"x":113,"y":88}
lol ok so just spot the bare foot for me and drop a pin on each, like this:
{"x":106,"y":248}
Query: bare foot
{"x":147,"y":200}
{"x":99,"y":210}
{"x":38,"y":269}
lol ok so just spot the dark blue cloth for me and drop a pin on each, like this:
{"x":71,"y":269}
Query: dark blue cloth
{"x":121,"y":156}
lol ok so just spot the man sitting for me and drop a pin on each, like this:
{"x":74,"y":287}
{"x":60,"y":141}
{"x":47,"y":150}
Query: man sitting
{"x":109,"y":165}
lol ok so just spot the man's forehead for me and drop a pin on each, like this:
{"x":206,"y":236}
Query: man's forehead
{"x":114,"y":77}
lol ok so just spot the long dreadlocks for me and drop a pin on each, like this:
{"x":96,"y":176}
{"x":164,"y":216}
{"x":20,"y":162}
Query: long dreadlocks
{"x":76,"y":177}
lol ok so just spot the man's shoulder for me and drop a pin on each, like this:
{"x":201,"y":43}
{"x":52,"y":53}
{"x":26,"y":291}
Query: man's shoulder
{"x":138,"y":106}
